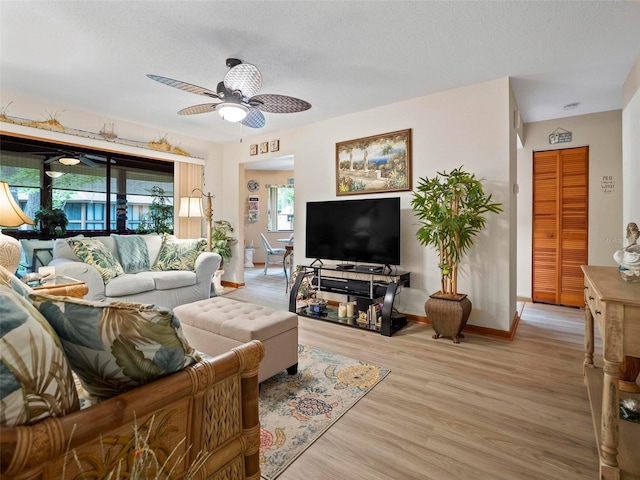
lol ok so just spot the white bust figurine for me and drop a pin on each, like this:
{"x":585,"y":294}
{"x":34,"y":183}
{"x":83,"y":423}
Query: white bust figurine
{"x":629,"y":256}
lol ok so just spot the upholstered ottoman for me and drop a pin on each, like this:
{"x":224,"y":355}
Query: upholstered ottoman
{"x":215,"y":325}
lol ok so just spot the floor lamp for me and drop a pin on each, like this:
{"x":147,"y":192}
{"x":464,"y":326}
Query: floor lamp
{"x":10,"y":216}
{"x":191,"y":207}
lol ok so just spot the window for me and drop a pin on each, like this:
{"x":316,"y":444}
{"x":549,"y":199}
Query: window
{"x":104,"y":192}
{"x":280,"y":209}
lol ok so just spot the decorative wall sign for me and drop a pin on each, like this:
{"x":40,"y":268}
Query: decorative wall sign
{"x":274,"y":145}
{"x":560,"y":135}
{"x":381,"y":163}
{"x":607,"y":184}
{"x":253,"y":149}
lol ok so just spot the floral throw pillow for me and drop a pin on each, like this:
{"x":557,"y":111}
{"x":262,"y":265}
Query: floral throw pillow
{"x":10,"y":280}
{"x":36,"y":380}
{"x":178,"y":254}
{"x":96,"y":254}
{"x":115,"y":347}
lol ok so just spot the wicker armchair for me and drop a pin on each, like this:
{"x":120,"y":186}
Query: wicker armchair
{"x":209,"y":407}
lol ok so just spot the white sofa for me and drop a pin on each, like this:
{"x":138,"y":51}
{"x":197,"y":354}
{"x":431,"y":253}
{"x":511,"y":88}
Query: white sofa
{"x":164,"y":288}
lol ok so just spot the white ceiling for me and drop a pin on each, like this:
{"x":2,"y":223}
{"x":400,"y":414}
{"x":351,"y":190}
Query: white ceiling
{"x":340,"y":56}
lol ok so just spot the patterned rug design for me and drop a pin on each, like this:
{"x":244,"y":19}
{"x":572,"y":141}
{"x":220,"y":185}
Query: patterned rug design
{"x":295,"y":410}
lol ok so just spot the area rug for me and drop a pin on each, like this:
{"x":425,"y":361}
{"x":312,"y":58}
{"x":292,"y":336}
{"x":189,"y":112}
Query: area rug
{"x":295,"y":410}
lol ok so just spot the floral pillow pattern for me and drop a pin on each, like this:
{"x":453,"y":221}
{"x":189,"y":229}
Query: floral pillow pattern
{"x":10,"y":280}
{"x":178,"y":254}
{"x":96,"y":254}
{"x":36,"y":380}
{"x":115,"y":347}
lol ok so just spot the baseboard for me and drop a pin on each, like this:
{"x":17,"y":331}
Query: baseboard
{"x":224,"y":283}
{"x":478,"y":330}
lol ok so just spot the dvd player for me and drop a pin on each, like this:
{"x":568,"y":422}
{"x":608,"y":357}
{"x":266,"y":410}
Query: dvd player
{"x":369,"y":268}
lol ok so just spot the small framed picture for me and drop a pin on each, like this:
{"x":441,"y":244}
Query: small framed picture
{"x":290,"y":181}
{"x":264,"y":147}
{"x":274,"y":146}
{"x":253,"y":149}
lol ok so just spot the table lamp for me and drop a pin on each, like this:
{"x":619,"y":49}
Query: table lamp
{"x":10,"y":216}
{"x":191,"y":207}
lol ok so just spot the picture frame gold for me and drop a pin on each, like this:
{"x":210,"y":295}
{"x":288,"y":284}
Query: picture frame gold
{"x":253,"y":149}
{"x":274,"y":145}
{"x":375,"y":164}
{"x":264,"y":147}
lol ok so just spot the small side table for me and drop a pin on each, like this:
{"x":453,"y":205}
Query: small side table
{"x":63,"y":286}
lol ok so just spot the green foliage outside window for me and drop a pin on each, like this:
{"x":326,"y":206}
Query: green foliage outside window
{"x":159,"y":219}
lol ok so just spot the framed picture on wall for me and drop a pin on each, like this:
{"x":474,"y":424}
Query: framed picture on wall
{"x":253,"y":149}
{"x":274,"y":145}
{"x":264,"y":147}
{"x":376,"y":164}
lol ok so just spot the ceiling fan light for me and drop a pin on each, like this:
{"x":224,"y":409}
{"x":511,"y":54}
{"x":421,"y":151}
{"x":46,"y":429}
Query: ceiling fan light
{"x":54,"y":174}
{"x":232,"y":112}
{"x":69,"y":161}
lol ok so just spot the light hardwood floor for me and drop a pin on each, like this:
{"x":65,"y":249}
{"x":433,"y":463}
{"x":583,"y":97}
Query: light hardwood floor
{"x":483,"y":409}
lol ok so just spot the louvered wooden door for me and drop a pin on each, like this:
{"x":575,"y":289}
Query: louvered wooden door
{"x":560,"y":225}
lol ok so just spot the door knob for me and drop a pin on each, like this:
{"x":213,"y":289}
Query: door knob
{"x":550,"y":235}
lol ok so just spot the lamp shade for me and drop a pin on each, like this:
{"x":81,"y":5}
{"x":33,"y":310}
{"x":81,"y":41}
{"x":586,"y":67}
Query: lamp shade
{"x":10,"y":213}
{"x":191,"y":207}
{"x":10,"y":216}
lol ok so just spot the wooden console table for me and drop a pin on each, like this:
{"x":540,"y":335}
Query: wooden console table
{"x":615,"y":306}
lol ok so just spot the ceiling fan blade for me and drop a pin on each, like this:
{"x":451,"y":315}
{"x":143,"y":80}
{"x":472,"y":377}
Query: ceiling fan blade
{"x":98,"y":158}
{"x":187,"y":87}
{"x":254,"y":119}
{"x":87,"y":162}
{"x":195,"y":109}
{"x":244,"y":77}
{"x":279,"y":103}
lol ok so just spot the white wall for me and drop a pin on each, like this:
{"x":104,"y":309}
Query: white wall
{"x":470,"y":126}
{"x":631,"y":147}
{"x":602,"y":133}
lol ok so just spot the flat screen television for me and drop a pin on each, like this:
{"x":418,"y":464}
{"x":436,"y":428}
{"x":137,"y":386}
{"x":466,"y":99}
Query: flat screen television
{"x":361,"y":231}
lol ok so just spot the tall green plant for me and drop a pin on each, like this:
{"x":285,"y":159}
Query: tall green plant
{"x":221,"y":241}
{"x":451,"y":208}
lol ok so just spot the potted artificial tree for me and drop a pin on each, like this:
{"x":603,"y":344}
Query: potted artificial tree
{"x":451,"y":208}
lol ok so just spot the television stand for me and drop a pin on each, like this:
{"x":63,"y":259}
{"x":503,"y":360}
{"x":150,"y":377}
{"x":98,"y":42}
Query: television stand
{"x":366,"y":287}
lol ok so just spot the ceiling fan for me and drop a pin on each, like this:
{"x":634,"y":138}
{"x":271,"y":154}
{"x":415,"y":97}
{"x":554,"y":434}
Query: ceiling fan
{"x":237,"y":95}
{"x":70,"y":158}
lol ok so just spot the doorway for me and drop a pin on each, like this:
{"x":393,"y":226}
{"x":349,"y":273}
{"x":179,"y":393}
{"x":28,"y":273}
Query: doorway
{"x":266,"y":212}
{"x":560,"y":225}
